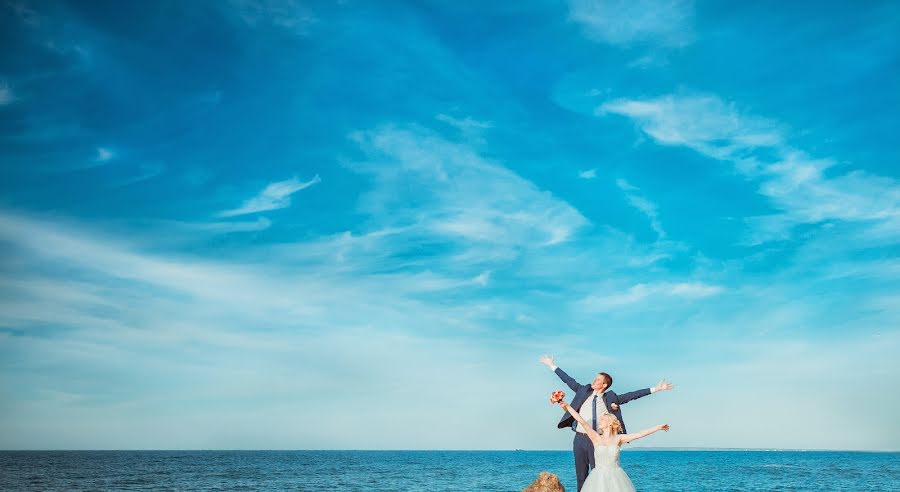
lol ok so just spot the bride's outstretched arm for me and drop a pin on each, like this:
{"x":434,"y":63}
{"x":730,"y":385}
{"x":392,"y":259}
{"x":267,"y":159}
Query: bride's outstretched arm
{"x":591,"y":433}
{"x":626,"y":438}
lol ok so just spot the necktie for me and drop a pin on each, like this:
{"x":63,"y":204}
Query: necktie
{"x":594,"y":414}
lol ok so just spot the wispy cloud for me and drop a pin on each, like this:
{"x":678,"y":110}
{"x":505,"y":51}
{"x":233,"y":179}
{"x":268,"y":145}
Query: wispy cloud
{"x":54,"y":32}
{"x":193,"y":322}
{"x":625,"y":22}
{"x":75,"y":50}
{"x":28,"y":15}
{"x":639,"y":293}
{"x":465,"y":125}
{"x":234,"y":283}
{"x":482,"y":279}
{"x":649,"y":61}
{"x":646,"y":207}
{"x":703,"y":123}
{"x":275,"y":196}
{"x":104,"y":154}
{"x":291,"y":15}
{"x":757,"y":147}
{"x":453,"y":192}
{"x":260,"y":224}
{"x":167,"y":234}
{"x":6,"y":93}
{"x":147,"y":171}
{"x":645,"y":292}
{"x":588,"y":174}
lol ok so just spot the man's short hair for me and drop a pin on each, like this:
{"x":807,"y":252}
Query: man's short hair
{"x":608,"y":379}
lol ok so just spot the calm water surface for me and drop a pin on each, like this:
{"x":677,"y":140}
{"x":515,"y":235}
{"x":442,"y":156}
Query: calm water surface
{"x":438,"y":470}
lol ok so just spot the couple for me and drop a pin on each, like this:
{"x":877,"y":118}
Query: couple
{"x":597,"y":443}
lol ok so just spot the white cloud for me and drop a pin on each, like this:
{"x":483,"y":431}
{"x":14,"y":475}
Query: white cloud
{"x":639,"y":293}
{"x":183,"y":234}
{"x":104,"y":154}
{"x":588,"y":174}
{"x":693,"y":290}
{"x":645,"y":62}
{"x":625,"y":22}
{"x":482,"y":279}
{"x":24,"y":12}
{"x":213,"y":331}
{"x":465,"y":125}
{"x":447,"y":189}
{"x":795,"y":182}
{"x":646,"y":207}
{"x":278,"y":294}
{"x":633,"y":295}
{"x":147,"y":171}
{"x":79,"y":52}
{"x":6,"y":94}
{"x":291,"y":15}
{"x":703,"y":123}
{"x":56,"y":32}
{"x":260,"y":224}
{"x":275,"y":196}
{"x":157,"y":329}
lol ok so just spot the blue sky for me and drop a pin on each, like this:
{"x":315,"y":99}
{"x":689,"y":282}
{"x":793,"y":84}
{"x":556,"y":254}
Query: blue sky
{"x":335,"y":225}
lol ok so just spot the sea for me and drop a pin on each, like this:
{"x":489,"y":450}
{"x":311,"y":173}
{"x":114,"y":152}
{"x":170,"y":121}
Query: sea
{"x":650,"y":470}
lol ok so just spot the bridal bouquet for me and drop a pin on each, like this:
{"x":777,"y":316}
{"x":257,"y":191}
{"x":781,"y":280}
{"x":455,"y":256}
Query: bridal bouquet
{"x":557,"y":396}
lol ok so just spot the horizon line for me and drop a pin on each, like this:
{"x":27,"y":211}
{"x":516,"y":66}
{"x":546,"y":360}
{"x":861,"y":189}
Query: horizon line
{"x":637,"y":448}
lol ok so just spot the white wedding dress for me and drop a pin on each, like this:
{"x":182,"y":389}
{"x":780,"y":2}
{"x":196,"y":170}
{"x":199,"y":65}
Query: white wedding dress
{"x":607,"y":475}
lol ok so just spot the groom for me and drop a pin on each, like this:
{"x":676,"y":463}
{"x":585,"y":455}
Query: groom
{"x":592,"y":401}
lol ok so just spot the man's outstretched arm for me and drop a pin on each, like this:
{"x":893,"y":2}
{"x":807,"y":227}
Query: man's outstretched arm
{"x":663,"y":385}
{"x":571,"y":383}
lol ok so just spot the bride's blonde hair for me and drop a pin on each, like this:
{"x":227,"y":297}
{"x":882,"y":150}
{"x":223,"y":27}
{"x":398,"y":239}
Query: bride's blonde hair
{"x":616,"y":425}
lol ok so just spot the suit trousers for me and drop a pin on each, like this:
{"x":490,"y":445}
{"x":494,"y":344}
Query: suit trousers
{"x":584,"y":457}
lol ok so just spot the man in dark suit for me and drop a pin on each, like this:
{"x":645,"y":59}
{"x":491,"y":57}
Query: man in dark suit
{"x":592,"y":401}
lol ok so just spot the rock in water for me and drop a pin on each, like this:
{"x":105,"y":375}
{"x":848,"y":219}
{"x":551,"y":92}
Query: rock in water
{"x":546,"y":482}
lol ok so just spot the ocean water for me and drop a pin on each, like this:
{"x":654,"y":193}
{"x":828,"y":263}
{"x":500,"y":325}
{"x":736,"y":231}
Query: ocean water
{"x":438,"y":470}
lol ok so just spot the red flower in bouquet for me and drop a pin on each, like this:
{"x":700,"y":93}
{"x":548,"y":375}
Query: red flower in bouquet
{"x":557,"y":396}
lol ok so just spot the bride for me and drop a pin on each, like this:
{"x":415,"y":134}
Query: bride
{"x":607,"y":475}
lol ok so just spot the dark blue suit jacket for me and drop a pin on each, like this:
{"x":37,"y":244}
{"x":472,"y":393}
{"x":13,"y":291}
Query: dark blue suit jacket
{"x":583,"y":391}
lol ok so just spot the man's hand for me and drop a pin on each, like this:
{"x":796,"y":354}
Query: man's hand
{"x":614,"y":406}
{"x":546,"y":360}
{"x":664,"y":385}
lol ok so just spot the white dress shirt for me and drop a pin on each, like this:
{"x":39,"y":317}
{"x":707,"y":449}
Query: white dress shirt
{"x":587,"y":410}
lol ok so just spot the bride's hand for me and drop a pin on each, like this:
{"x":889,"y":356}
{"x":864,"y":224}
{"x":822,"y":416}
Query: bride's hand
{"x":557,"y":396}
{"x":664,"y":427}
